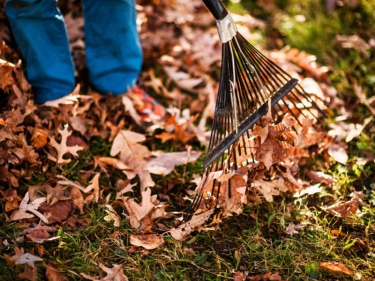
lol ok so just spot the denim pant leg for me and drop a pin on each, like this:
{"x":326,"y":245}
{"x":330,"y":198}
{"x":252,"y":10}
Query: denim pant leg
{"x":40,"y":33}
{"x":113,"y":50}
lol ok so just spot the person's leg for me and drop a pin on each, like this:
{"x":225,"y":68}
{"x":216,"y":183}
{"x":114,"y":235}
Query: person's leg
{"x":40,"y":33}
{"x":113,"y":49}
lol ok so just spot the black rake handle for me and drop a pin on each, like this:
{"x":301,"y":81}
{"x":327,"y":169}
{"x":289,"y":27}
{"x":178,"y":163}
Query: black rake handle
{"x":216,"y":8}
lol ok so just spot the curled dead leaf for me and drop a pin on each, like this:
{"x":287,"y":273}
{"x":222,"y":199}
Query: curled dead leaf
{"x":335,"y":267}
{"x":147,"y":241}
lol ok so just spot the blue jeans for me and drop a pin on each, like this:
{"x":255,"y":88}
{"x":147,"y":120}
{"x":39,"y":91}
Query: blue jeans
{"x":113,"y":50}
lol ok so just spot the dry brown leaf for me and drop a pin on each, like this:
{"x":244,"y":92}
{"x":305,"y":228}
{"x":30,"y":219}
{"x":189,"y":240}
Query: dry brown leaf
{"x":320,"y":177}
{"x":55,"y":194}
{"x":343,"y":210}
{"x":116,"y":273}
{"x":183,"y":79}
{"x":39,"y":233}
{"x":175,"y":131}
{"x":94,"y":185}
{"x":59,"y":211}
{"x":69,"y":99}
{"x":335,"y":267}
{"x":25,"y":209}
{"x":24,"y":258}
{"x":29,"y":273}
{"x":10,"y":195}
{"x":164,"y":162}
{"x":5,"y":175}
{"x":126,"y":145}
{"x":10,"y":260}
{"x":139,"y":211}
{"x":39,"y":138}
{"x":270,"y":188}
{"x":54,"y":274}
{"x":258,"y":131}
{"x":10,"y":206}
{"x":6,"y":74}
{"x":77,"y":198}
{"x":123,"y":187}
{"x":147,"y":241}
{"x":183,"y":230}
{"x":62,"y":147}
{"x":129,"y":107}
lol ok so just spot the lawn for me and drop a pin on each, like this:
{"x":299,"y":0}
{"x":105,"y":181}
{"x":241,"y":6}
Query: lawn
{"x":70,"y":198}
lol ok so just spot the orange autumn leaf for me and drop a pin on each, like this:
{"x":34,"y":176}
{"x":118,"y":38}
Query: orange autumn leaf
{"x":176,"y":131}
{"x":335,"y":267}
{"x":39,"y":138}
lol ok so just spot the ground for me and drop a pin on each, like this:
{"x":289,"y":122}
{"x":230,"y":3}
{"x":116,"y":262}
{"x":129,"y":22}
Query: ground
{"x":76,"y":205}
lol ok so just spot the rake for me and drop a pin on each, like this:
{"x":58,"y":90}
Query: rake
{"x":250,"y":85}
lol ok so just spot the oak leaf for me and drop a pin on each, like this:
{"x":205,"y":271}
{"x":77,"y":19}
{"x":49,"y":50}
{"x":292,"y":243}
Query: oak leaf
{"x":21,"y":257}
{"x":175,"y":131}
{"x":126,"y":144}
{"x":116,"y":273}
{"x":139,"y":211}
{"x":62,"y":147}
{"x":25,"y":209}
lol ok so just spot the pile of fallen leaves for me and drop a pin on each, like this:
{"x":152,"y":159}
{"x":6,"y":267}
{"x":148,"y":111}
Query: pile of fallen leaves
{"x":39,"y":143}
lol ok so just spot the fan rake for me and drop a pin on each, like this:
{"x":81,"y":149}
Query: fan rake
{"x":250,"y":86}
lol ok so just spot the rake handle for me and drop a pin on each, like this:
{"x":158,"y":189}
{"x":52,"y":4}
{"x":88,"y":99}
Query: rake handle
{"x":216,"y":8}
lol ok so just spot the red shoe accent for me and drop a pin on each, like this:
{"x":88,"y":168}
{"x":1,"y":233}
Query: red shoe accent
{"x":147,"y":107}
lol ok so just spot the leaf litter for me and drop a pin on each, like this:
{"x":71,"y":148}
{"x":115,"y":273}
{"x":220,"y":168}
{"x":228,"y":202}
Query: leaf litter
{"x":35,"y":138}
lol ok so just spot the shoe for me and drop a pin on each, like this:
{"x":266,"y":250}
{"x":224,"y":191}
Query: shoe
{"x":146,"y":106}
